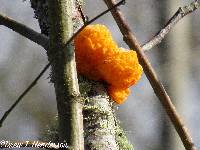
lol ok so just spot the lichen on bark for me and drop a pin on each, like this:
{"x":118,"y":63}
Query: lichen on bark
{"x":64,"y":75}
{"x":101,"y":128}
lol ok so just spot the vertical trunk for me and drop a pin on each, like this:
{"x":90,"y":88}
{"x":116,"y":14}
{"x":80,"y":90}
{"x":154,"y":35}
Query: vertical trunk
{"x":173,"y":59}
{"x":64,"y":74}
{"x":178,"y":70}
{"x":174,"y":67}
{"x":162,"y":57}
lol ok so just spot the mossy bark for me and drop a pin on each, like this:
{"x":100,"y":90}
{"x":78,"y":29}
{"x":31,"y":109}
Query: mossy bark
{"x":101,"y":128}
{"x":64,"y":74}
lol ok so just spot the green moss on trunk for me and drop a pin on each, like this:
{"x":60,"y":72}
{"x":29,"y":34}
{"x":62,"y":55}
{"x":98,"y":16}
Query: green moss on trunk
{"x":64,"y":74}
{"x":102,"y":130}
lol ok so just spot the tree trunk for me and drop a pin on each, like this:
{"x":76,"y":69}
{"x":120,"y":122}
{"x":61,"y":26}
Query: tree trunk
{"x":162,"y":57}
{"x":101,"y":129}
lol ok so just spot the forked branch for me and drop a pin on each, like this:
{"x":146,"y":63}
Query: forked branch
{"x":181,"y":12}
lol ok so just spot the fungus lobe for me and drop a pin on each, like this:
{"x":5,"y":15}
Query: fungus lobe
{"x":99,"y":58}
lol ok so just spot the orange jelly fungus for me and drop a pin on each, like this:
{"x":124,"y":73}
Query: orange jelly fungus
{"x":99,"y":58}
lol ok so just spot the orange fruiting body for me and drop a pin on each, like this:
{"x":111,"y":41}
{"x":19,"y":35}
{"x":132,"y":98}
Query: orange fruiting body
{"x":99,"y":58}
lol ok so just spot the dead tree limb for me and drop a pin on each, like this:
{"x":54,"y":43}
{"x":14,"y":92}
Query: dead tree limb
{"x":181,"y":12}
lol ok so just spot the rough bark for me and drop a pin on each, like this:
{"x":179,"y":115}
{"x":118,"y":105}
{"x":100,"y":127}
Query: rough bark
{"x":101,"y":128}
{"x":64,"y":74}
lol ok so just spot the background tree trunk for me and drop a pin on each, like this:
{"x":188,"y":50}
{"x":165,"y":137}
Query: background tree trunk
{"x":162,"y":58}
{"x":178,"y":71}
{"x":173,"y":59}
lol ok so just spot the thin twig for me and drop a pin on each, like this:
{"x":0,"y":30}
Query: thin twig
{"x":32,"y":144}
{"x":83,"y":17}
{"x":48,"y":65}
{"x":93,"y":19}
{"x":157,"y":86}
{"x":181,"y":12}
{"x":27,"y":32}
{"x":23,"y":94}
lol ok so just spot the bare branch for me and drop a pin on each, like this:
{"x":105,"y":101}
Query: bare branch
{"x":157,"y":86}
{"x":25,"y":31}
{"x":48,"y":65}
{"x":181,"y":12}
{"x":32,"y":144}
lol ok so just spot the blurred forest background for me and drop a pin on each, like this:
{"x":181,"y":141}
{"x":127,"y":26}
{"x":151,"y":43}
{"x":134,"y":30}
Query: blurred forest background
{"x":176,"y":61}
